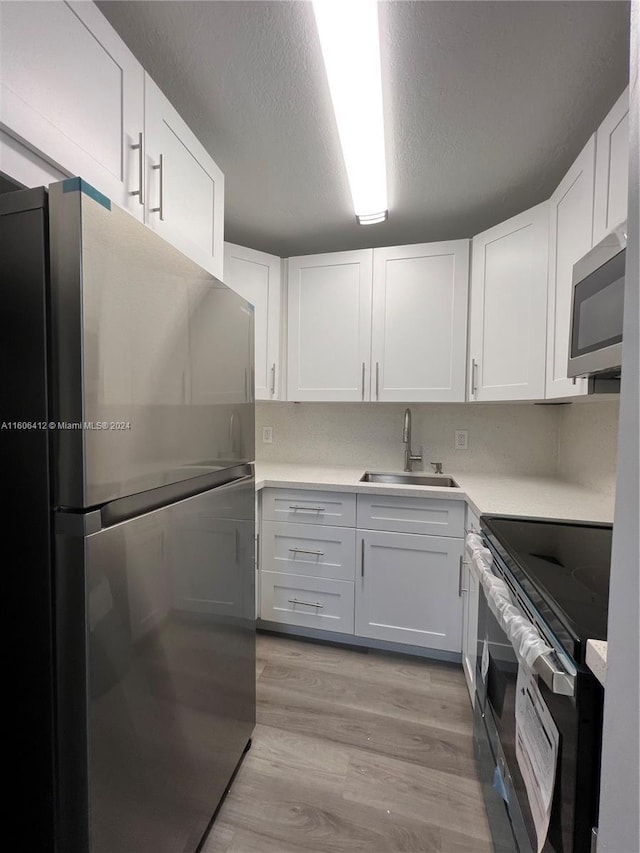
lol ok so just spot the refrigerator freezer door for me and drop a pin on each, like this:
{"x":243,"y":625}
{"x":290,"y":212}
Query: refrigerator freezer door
{"x":152,"y":356}
{"x":155,"y":714}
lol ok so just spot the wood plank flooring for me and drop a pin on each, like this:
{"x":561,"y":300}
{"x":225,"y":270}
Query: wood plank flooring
{"x":355,"y":751}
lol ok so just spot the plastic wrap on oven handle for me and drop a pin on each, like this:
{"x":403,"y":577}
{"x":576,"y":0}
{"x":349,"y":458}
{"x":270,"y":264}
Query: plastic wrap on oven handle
{"x":524,"y":637}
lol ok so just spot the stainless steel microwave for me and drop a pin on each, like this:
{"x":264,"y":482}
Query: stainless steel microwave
{"x":595,"y":337}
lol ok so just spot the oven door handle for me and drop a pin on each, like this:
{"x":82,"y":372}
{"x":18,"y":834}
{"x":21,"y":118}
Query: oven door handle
{"x":557,"y":679}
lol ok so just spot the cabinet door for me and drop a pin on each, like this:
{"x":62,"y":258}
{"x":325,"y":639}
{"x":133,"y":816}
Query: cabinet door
{"x":184,"y":187}
{"x":612,"y":169}
{"x":570,"y":228}
{"x":329,"y":323}
{"x":407,"y":589}
{"x":72,"y":90}
{"x":256,"y":277}
{"x":509,"y":309}
{"x":419,"y":328}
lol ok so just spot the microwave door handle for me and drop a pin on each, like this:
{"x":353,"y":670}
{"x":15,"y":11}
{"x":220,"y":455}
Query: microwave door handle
{"x":558,"y":680}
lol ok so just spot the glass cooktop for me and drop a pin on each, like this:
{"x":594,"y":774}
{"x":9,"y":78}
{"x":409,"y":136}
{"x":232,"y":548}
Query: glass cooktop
{"x":563,"y":567}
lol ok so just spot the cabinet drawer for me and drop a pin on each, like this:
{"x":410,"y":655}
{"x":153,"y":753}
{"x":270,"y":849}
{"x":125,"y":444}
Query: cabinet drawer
{"x":411,"y":515}
{"x":309,"y":507}
{"x":308,"y":549}
{"x":310,"y":602}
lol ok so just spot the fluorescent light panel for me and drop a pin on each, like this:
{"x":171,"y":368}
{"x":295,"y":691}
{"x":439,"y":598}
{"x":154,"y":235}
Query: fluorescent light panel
{"x":350,"y":42}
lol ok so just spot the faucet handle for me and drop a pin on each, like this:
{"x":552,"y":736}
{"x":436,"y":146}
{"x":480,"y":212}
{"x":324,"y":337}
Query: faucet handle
{"x":437,"y":467}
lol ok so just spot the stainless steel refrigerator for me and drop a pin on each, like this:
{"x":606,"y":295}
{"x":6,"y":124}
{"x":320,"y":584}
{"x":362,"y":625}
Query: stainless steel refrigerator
{"x":127,"y":439}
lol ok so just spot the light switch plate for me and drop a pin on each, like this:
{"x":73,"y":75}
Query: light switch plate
{"x":267,"y":435}
{"x":461,"y":439}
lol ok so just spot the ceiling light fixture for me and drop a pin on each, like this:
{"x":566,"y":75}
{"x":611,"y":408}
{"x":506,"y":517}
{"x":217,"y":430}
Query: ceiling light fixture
{"x":350,"y":41}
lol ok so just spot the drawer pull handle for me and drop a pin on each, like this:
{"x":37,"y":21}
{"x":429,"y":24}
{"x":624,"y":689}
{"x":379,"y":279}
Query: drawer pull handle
{"x":139,"y":147}
{"x":160,"y":167}
{"x":304,"y":551}
{"x":461,"y":589}
{"x":295,"y":601}
{"x":307,"y":508}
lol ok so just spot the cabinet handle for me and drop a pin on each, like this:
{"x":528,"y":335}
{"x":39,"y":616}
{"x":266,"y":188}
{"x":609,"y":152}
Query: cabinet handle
{"x":362,"y":558}
{"x":139,"y":148}
{"x":474,"y":377}
{"x":257,"y":552}
{"x":273,"y":379}
{"x":363,"y":381}
{"x":303,"y":551}
{"x":377,"y":381}
{"x":461,"y":589}
{"x":295,"y":601}
{"x":295,"y":507}
{"x":160,"y":209}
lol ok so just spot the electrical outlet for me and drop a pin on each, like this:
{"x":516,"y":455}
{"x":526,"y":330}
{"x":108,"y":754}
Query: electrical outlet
{"x":461,"y":439}
{"x":267,"y":435}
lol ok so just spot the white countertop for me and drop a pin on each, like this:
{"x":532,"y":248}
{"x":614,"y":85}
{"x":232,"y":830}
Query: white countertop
{"x":597,"y":659}
{"x":537,"y":497}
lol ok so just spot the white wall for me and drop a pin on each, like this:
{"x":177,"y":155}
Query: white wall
{"x":502,"y":438}
{"x":587,"y":443}
{"x":619,"y":825}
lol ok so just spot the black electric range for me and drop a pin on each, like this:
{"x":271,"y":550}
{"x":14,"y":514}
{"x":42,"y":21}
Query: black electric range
{"x":563,"y":568}
{"x":558,"y":574}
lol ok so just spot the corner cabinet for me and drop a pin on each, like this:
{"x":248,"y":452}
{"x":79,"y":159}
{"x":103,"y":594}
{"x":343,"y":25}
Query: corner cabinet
{"x":329,"y":326}
{"x":419,"y":322}
{"x":384,"y":324}
{"x":612,"y":169}
{"x":570,"y":229}
{"x":256,"y":276}
{"x":508,"y":316}
{"x":184,"y":187}
{"x":71,"y":90}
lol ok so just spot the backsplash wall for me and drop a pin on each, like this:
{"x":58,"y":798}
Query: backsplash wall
{"x":502,"y":438}
{"x":587,"y":443}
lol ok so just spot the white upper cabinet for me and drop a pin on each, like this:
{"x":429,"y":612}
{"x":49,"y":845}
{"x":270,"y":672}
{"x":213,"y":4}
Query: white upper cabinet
{"x":570,"y":228}
{"x":329,"y":326}
{"x":71,"y":90}
{"x":612,"y":169}
{"x":184,"y":187}
{"x":256,"y":276}
{"x":419,"y":329}
{"x":508,"y":317}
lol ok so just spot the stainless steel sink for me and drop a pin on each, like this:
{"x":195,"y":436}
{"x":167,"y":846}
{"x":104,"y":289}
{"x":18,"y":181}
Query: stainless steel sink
{"x":408,"y":479}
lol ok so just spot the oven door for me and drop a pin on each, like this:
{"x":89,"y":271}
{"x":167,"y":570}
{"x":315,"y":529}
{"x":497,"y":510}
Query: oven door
{"x":573,"y":810}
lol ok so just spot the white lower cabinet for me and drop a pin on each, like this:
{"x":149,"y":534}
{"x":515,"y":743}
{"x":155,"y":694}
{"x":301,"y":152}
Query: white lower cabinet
{"x":307,"y":601}
{"x":307,"y":549}
{"x":307,"y":569}
{"x":327,"y":562}
{"x":407,"y":589}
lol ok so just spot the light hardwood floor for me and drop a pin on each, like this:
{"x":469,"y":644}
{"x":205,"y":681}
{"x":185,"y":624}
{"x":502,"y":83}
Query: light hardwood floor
{"x":355,"y":751}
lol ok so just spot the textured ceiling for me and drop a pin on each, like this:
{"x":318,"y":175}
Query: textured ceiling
{"x":486,"y":106}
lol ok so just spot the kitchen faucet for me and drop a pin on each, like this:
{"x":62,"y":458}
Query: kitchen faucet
{"x":409,"y":457}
